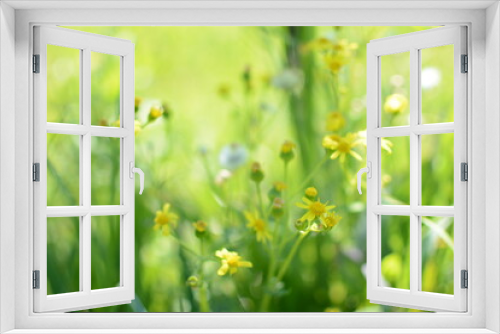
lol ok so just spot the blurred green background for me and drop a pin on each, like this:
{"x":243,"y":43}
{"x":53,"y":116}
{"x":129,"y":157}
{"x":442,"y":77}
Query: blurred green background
{"x":212,"y":101}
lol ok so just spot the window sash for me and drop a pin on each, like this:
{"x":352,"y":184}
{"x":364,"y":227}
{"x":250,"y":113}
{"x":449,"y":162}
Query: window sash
{"x":414,"y":298}
{"x":85,"y":298}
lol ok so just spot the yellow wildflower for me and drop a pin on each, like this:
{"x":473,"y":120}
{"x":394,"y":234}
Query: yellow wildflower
{"x":279,"y":186}
{"x":342,"y":146}
{"x":330,"y":220}
{"x":137,"y":127}
{"x":137,"y":103}
{"x":165,"y":220}
{"x":155,"y":112}
{"x":258,"y":225}
{"x":386,"y":144}
{"x":334,"y":121}
{"x":230,"y":262}
{"x":200,"y":226}
{"x":287,"y":151}
{"x":334,"y":63}
{"x":395,"y":103}
{"x":311,"y":193}
{"x":315,"y":209}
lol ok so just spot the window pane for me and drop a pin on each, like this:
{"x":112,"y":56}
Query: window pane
{"x":437,"y":84}
{"x":395,"y":89}
{"x":437,"y":254}
{"x":105,"y":171}
{"x":395,"y":251}
{"x":63,"y":84}
{"x":437,"y":169}
{"x":63,"y":170}
{"x":105,"y":89}
{"x":395,"y":170}
{"x":63,"y":255}
{"x":105,"y":252}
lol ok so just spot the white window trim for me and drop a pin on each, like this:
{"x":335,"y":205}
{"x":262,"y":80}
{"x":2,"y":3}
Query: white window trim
{"x":484,"y":262}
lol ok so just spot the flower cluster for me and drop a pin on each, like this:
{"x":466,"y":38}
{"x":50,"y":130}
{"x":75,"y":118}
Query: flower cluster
{"x":319,"y":216}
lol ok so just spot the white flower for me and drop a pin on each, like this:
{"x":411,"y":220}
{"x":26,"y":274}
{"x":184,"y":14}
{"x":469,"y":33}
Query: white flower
{"x":222,"y":176}
{"x":233,"y":156}
{"x":431,"y":77}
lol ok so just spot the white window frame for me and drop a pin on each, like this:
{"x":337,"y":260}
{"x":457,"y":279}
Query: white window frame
{"x":85,"y":43}
{"x":413,"y":43}
{"x":483,"y":250}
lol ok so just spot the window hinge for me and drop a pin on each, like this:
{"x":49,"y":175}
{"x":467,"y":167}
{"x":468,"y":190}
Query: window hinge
{"x":464,"y":167}
{"x":36,"y":279}
{"x":36,"y":63}
{"x":465,"y":64}
{"x":465,"y":279}
{"x":36,"y":172}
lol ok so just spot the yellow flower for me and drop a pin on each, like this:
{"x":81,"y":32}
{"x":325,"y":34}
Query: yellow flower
{"x":230,"y":262}
{"x":200,"y":226}
{"x":287,"y":151}
{"x":258,"y":225}
{"x":165,"y":220}
{"x":137,"y":127}
{"x":395,"y":103}
{"x":137,"y":103}
{"x":311,"y":193}
{"x":330,"y":220}
{"x":155,"y":112}
{"x":342,"y":146}
{"x":386,"y":144}
{"x":334,"y":121}
{"x":279,"y":186}
{"x":334,"y":63}
{"x":315,"y":209}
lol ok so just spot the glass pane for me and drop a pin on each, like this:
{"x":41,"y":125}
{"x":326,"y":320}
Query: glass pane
{"x":63,"y":170}
{"x":437,"y":168}
{"x":395,"y":89}
{"x":437,"y":254}
{"x":105,"y":89}
{"x":437,"y":84}
{"x":395,"y":169}
{"x":105,"y":171}
{"x":395,"y":251}
{"x":63,"y":255}
{"x":105,"y":252}
{"x":63,"y":84}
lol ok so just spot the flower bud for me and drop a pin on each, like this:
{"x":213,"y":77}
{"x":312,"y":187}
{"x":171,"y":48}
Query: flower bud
{"x":287,"y":151}
{"x":193,"y":282}
{"x":137,"y":103}
{"x":276,"y":190}
{"x":301,"y":225}
{"x":278,"y":207}
{"x":256,"y":173}
{"x":200,"y":228}
{"x":311,"y":193}
{"x":155,"y":112}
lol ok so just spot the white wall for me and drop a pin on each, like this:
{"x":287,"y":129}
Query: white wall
{"x":7,"y":160}
{"x":492,"y":167}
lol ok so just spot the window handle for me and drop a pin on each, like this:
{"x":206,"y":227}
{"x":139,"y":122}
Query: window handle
{"x":141,"y":175}
{"x":368,"y":171}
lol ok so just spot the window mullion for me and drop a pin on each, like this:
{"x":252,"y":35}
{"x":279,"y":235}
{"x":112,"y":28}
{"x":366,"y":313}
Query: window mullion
{"x":414,"y":171}
{"x":85,"y":244}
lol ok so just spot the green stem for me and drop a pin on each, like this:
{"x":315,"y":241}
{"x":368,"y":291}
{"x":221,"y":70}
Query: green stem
{"x":291,"y":254}
{"x":203,"y":299}
{"x":185,"y":246}
{"x":309,"y":177}
{"x":259,"y":196}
